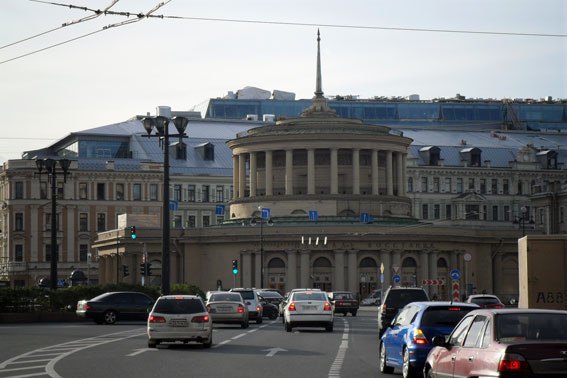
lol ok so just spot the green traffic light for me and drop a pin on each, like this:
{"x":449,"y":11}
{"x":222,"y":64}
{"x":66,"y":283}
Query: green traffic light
{"x":235,"y":271}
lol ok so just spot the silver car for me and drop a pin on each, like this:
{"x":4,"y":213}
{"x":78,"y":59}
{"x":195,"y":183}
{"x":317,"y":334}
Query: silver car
{"x":179,"y":318}
{"x":227,"y":307}
{"x":308,"y":309}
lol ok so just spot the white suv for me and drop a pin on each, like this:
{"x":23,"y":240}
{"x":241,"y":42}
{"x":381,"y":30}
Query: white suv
{"x":252,"y":302}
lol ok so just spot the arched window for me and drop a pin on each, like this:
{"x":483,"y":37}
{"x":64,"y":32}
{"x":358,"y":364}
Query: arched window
{"x":322,"y":262}
{"x":368,"y":262}
{"x":276,"y":263}
{"x":410,"y":184}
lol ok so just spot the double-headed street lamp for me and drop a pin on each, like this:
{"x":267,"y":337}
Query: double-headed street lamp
{"x":523,"y":219}
{"x":161,"y":126}
{"x":50,"y":166}
{"x":269,"y":222}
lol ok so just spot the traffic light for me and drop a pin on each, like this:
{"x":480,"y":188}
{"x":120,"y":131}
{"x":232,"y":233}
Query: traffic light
{"x":148,"y":269}
{"x":143,"y":269}
{"x":125,"y":270}
{"x":133,"y":232}
{"x":234,"y":266}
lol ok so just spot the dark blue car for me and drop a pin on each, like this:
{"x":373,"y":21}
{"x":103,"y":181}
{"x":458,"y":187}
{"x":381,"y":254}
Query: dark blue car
{"x":408,"y":339}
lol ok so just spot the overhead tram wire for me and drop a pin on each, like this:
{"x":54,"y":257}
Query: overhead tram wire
{"x":97,"y":13}
{"x":159,"y":5}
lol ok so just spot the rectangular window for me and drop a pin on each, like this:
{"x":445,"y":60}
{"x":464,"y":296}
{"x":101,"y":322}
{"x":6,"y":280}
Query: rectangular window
{"x":459,"y":185}
{"x":60,"y":190}
{"x":541,"y":213}
{"x":448,"y":214}
{"x":472,"y":212}
{"x":100,"y":191}
{"x":231,"y":194}
{"x":153,"y":192}
{"x":448,"y":186}
{"x":177,"y":221}
{"x":177,"y":192}
{"x":495,"y":213}
{"x":424,"y":211}
{"x":482,"y":186}
{"x":220,"y":219}
{"x":436,"y":184}
{"x":19,"y":190}
{"x":43,"y":190}
{"x":436,"y":211}
{"x":83,"y":252}
{"x":220,"y":193}
{"x":561,"y":214}
{"x":119,"y":192}
{"x":191,"y":221}
{"x":83,"y":222}
{"x":206,"y":193}
{"x":48,"y":251}
{"x":191,"y":193}
{"x":471,"y":183}
{"x":101,"y":222}
{"x":506,"y":186}
{"x":19,"y":222}
{"x":137,"y":192}
{"x":48,"y":222}
{"x":19,"y":253}
{"x":507,"y":216}
{"x":424,"y":188}
{"x":83,"y":190}
{"x":494,"y":186}
{"x":206,"y":220}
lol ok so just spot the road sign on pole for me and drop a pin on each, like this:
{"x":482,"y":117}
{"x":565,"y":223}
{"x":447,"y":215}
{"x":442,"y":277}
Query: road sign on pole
{"x":313,"y":215}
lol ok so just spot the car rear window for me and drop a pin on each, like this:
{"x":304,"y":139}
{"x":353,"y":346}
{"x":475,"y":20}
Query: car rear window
{"x":400,"y":298}
{"x":343,"y":296}
{"x":444,"y":316}
{"x":532,"y":326}
{"x":179,"y":306}
{"x":484,"y":300}
{"x":248,"y":294}
{"x":234,"y":297}
{"x":309,"y":296}
{"x":270,"y":294}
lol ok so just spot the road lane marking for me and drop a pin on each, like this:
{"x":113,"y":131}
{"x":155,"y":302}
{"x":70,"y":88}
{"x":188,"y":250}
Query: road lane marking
{"x":273,"y":351}
{"x":140,"y":351}
{"x":335,"y":370}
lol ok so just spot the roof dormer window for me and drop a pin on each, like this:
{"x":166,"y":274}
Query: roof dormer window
{"x":206,"y":151}
{"x":472,"y":156}
{"x":430,"y":155}
{"x":547,"y":159}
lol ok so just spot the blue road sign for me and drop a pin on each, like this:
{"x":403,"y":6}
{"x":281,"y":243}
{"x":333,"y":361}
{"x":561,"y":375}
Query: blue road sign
{"x":265,"y":213}
{"x":219,"y":210}
{"x":396,"y":278}
{"x":173,"y":205}
{"x":455,"y":274}
{"x":313,"y":215}
{"x":364,"y":218}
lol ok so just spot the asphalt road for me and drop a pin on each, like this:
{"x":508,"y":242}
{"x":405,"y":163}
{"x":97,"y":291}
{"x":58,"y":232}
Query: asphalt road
{"x":263,"y":350}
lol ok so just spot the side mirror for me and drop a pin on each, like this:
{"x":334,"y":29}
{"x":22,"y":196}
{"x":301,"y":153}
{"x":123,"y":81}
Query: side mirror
{"x":439,"y":340}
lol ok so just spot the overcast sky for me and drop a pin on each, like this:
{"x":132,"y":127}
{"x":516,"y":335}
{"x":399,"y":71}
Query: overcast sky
{"x":367,"y":49}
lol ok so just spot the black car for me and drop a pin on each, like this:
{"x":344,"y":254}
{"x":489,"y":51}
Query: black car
{"x":395,"y":298}
{"x":113,"y":306}
{"x":269,"y":310}
{"x":270,"y":296}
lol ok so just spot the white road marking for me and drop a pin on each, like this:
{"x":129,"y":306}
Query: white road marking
{"x":335,"y":370}
{"x":273,"y":351}
{"x":140,"y":351}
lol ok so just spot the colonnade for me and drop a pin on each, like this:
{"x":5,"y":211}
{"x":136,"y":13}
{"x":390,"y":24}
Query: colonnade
{"x":394,"y":167}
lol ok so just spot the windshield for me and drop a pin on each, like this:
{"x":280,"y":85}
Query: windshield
{"x":309,"y":296}
{"x":248,"y":294}
{"x":444,"y":316}
{"x":179,"y":306}
{"x":233,"y":297}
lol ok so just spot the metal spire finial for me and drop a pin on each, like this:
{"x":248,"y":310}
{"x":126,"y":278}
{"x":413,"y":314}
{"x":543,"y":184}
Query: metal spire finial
{"x":318,"y":85}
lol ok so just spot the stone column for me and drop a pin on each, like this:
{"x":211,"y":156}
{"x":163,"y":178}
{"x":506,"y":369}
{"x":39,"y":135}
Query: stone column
{"x":433,"y":273}
{"x":247,"y":269}
{"x":424,"y":266}
{"x":397,"y":261}
{"x":375,"y":186}
{"x":353,"y":278}
{"x":386,"y":259}
{"x":334,"y":171}
{"x":269,"y":182}
{"x":288,"y":172}
{"x":291,"y":279}
{"x":404,"y":175}
{"x":241,"y":176}
{"x":304,"y":268}
{"x":235,"y":174}
{"x":339,"y":283}
{"x":389,"y":174}
{"x":253,"y":176}
{"x":258,"y":270}
{"x":400,"y":173}
{"x":356,"y":171}
{"x":497,"y":275}
{"x":311,"y":171}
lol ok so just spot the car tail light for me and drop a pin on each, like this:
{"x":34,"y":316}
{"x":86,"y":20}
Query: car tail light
{"x":291,"y":307}
{"x":513,"y":363}
{"x":200,"y":319}
{"x":327,"y":306}
{"x":156,"y":319}
{"x":240,"y":308}
{"x":418,"y":337}
{"x":258,"y":308}
{"x":88,"y":307}
{"x":383,"y":308}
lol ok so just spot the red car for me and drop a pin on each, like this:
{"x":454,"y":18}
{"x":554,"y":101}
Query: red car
{"x":525,"y":343}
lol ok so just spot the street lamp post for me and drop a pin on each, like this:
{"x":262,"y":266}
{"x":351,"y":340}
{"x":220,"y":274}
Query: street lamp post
{"x":50,"y":166}
{"x":523,"y":219}
{"x":161,"y":125}
{"x":269,"y":222}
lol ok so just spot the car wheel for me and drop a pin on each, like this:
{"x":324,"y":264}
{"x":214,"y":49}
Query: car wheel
{"x":384,"y":368}
{"x":152,"y":343}
{"x":407,"y":370}
{"x":353,"y":313}
{"x":209,"y":342}
{"x":244,"y":325}
{"x":428,"y":373}
{"x":110,"y":317}
{"x":329,"y":327}
{"x":259,"y":320}
{"x":274,"y":315}
{"x":288,"y":327}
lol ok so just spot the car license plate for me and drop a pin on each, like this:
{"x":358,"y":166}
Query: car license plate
{"x":178,"y":323}
{"x":309,"y":308}
{"x":224,"y":309}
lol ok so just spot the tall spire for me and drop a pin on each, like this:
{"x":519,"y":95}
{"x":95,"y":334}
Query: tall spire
{"x":319,"y":108}
{"x":318,"y":86}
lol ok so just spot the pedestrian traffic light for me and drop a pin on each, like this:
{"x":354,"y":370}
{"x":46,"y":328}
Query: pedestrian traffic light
{"x":143,"y":269}
{"x":234,"y":266}
{"x":125,"y":270}
{"x":133,"y":232}
{"x":148,"y":269}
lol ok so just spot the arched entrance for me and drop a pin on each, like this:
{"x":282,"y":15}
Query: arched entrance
{"x":322,"y":273}
{"x":368,"y":269}
{"x":409,"y":272}
{"x":276,"y":274}
{"x":443,"y":274}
